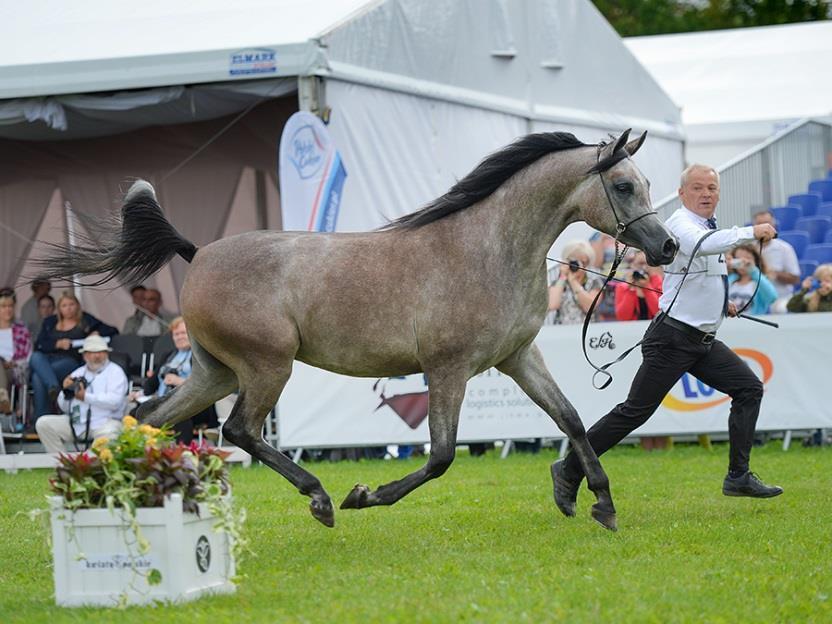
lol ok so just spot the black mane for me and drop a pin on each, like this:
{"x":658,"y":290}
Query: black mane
{"x":488,"y":176}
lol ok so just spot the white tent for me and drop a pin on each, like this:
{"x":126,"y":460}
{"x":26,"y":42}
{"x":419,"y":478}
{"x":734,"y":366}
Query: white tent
{"x":419,"y":91}
{"x":739,"y":87}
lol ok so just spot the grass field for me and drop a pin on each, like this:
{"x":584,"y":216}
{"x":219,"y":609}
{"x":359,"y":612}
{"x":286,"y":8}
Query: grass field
{"x":486,"y":544}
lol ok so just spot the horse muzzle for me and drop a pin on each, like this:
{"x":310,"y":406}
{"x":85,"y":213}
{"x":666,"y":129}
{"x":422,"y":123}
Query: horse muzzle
{"x":664,"y":254}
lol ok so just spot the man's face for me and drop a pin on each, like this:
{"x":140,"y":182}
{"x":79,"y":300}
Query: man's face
{"x":152,"y":301}
{"x":46,"y":307}
{"x":700,"y":192}
{"x":95,"y":359}
{"x":763,"y":218}
{"x":138,"y":296}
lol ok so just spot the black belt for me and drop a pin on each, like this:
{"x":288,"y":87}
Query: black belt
{"x":698,"y":334}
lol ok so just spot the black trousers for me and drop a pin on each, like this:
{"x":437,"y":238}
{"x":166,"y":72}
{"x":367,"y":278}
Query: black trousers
{"x":668,"y":353}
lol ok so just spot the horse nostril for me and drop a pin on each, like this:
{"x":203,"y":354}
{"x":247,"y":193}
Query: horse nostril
{"x":670,"y":248}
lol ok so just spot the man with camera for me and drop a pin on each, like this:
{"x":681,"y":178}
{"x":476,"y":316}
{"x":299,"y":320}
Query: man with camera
{"x":93,"y":399}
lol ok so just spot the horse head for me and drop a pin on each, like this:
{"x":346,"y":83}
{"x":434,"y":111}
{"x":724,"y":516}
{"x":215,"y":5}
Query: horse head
{"x":616,"y":201}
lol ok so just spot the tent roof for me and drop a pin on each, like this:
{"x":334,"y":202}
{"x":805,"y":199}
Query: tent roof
{"x":747,"y":74}
{"x":54,"y":47}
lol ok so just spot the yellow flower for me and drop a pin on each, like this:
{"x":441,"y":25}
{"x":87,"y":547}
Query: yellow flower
{"x":146,"y":429}
{"x":106,"y":455}
{"x":129,"y":422}
{"x":151,"y":441}
{"x":99,"y":443}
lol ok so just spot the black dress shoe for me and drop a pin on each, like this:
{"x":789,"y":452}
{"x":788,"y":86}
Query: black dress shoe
{"x":565,"y":489}
{"x":749,"y":484}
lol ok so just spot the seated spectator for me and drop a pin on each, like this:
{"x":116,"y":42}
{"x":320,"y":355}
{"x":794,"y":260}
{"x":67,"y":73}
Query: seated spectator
{"x":574,"y":290}
{"x":29,"y":311}
{"x":54,"y":356}
{"x":151,"y":320}
{"x":173,"y":373}
{"x":15,"y":348}
{"x":92,"y":407}
{"x":640,"y":299}
{"x":745,"y":268}
{"x":815,"y":293}
{"x":46,"y":308}
{"x":782,"y":267}
{"x":134,"y":320}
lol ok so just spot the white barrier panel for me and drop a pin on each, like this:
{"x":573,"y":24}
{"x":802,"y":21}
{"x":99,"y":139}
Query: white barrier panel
{"x":324,"y":409}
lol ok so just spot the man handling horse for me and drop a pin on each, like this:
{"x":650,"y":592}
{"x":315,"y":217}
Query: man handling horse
{"x":682,"y":339}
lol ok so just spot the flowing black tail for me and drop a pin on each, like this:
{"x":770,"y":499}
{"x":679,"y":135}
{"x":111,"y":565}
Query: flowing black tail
{"x":128,"y":248}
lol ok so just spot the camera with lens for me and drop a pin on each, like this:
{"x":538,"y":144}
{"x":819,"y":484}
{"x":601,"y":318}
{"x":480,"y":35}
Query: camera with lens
{"x":75,"y":386}
{"x":166,"y":370}
{"x":574,"y":266}
{"x":638,"y":275}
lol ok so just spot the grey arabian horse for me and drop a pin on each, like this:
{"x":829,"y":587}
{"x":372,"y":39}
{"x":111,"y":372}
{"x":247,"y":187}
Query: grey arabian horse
{"x":450,"y":290}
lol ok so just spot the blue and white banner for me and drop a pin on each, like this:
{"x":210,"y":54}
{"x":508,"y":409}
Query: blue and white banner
{"x":311,"y":175}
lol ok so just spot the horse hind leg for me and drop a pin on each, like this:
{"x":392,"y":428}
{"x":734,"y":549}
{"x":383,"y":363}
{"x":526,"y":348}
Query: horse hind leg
{"x":210,"y":380}
{"x":244,"y":428}
{"x":446,"y":394}
{"x":529,"y":370}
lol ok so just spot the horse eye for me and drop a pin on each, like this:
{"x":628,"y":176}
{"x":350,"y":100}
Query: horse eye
{"x":624,"y":187}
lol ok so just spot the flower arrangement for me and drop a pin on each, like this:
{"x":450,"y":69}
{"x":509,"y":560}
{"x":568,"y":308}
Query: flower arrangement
{"x":140,"y":467}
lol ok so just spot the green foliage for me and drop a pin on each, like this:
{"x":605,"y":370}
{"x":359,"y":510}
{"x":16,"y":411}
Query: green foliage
{"x":653,"y":17}
{"x":485,"y":544}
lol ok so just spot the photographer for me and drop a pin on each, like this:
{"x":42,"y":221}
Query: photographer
{"x":572,"y":293}
{"x":815,"y":293}
{"x":93,"y":400}
{"x":640,"y":299}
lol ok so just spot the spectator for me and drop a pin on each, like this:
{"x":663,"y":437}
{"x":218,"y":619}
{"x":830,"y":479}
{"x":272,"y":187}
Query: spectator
{"x":173,"y":373}
{"x":641,"y":300}
{"x":134,"y":320}
{"x":15,"y":348}
{"x":54,"y":356}
{"x":781,"y":263}
{"x":46,"y":307}
{"x":746,"y":268}
{"x":603,"y":245}
{"x":92,"y":408}
{"x":151,"y":320}
{"x":574,"y":290}
{"x":815,"y":294}
{"x":29,"y":312}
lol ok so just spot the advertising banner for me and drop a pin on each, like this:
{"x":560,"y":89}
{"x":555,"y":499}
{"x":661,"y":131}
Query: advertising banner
{"x":319,"y":408}
{"x":311,"y":175}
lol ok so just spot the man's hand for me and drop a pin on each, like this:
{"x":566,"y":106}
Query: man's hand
{"x":81,"y":392}
{"x":732,"y":309}
{"x":67,"y":381}
{"x":764,"y":232}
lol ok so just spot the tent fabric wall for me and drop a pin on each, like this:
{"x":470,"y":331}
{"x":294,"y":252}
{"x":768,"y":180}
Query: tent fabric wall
{"x":23,"y":206}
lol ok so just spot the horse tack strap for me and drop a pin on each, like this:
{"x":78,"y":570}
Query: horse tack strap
{"x":602,"y":370}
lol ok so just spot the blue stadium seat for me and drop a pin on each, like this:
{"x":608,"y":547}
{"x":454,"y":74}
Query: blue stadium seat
{"x":798,"y":240}
{"x":828,"y":238}
{"x":815,"y":227}
{"x":786,"y":216}
{"x":825,"y":209}
{"x":824,"y":187}
{"x":807,"y":269}
{"x":808,"y":201}
{"x":822,"y":254}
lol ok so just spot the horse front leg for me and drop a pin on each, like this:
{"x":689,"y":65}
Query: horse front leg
{"x":446,"y":394}
{"x":528,"y":369}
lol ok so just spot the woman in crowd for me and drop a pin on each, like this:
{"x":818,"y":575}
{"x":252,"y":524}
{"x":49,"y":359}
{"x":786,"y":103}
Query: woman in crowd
{"x":55,"y":357}
{"x":173,"y":373}
{"x":746,"y":268}
{"x":638,"y":300}
{"x":572,"y":293}
{"x":815,"y":293}
{"x":15,"y":348}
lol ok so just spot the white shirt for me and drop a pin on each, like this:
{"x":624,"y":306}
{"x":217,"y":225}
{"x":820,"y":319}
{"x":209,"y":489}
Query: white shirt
{"x":780,"y":256}
{"x":105,"y":397}
{"x":6,"y":344}
{"x":700,"y":302}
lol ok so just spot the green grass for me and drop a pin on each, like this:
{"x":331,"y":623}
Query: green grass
{"x":485,"y":543}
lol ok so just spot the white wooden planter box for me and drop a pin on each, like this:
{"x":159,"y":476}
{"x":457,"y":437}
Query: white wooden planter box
{"x":95,"y":554}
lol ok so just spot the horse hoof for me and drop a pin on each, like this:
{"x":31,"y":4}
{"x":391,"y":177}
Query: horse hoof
{"x":357,"y":498}
{"x":605,"y":518}
{"x":322,"y":512}
{"x":565,"y":491}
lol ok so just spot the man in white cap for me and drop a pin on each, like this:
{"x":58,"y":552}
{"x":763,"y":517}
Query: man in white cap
{"x":93,"y":400}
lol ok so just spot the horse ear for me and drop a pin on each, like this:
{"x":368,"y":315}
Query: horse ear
{"x":632,"y":146}
{"x":622,"y":140}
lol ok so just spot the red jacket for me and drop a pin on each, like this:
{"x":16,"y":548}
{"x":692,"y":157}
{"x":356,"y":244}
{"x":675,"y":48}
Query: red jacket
{"x":626,"y":300}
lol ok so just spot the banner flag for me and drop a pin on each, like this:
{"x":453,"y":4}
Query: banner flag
{"x":311,"y":173}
